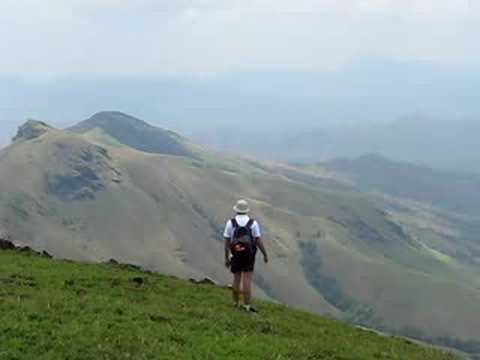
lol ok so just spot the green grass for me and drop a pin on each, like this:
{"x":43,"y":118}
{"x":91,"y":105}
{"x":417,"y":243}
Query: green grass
{"x":52,"y":309}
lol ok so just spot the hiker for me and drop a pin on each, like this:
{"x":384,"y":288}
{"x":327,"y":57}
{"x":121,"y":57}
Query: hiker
{"x":242,"y":238}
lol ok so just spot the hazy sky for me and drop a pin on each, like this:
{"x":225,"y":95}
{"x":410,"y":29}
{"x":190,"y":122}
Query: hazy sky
{"x":58,"y":37}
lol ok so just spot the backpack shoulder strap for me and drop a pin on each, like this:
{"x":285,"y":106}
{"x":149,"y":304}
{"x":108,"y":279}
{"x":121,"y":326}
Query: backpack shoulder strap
{"x":249,"y":226}
{"x":234,"y":223}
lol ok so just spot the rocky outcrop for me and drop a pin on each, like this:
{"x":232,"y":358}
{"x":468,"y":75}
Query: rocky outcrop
{"x":32,"y":129}
{"x":204,"y":281}
{"x":85,"y":170}
{"x":6,"y":245}
{"x":10,"y":245}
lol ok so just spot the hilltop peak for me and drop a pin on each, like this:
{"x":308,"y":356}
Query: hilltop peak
{"x":131,"y":131}
{"x":110,"y":119}
{"x":32,"y":129}
{"x":117,"y":116}
{"x":110,"y":113}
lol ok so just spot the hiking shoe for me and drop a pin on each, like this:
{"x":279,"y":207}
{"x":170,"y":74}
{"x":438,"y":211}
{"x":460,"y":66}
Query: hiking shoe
{"x":249,"y":308}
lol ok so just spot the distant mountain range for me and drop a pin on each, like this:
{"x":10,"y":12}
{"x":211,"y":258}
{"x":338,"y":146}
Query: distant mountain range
{"x":417,"y":112}
{"x":356,"y":239}
{"x":448,"y":190}
{"x":450,"y":145}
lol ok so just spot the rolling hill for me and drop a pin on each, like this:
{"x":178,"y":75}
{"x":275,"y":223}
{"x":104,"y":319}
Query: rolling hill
{"x":55,"y":309}
{"x":88,"y":193}
{"x":452,"y":191}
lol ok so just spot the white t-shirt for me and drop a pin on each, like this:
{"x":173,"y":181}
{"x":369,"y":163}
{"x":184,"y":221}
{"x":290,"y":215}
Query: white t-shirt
{"x":242,"y":220}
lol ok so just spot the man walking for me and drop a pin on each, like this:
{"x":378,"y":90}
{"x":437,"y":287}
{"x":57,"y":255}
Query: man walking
{"x":242,"y":238}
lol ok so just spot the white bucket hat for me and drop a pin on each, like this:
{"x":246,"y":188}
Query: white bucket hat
{"x":241,"y":207}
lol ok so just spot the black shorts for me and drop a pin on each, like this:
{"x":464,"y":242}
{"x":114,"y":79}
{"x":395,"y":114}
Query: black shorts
{"x":243,"y":262}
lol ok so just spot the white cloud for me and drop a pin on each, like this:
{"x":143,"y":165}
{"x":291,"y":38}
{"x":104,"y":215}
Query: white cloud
{"x":56,"y":37}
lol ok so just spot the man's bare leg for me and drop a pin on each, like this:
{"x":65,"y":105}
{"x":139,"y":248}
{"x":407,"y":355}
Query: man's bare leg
{"x":237,"y":279}
{"x":247,"y":287}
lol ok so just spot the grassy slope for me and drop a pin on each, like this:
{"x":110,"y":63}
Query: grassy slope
{"x":56,"y":309}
